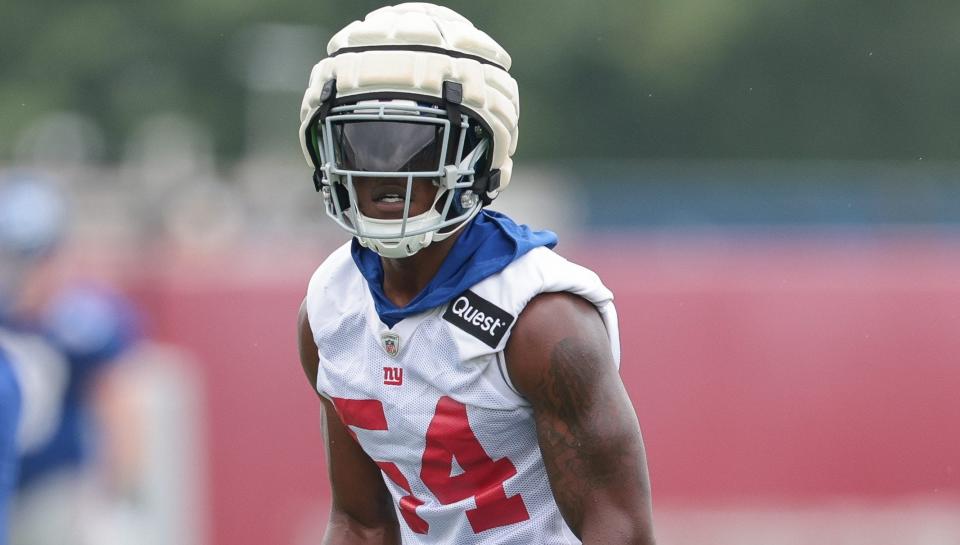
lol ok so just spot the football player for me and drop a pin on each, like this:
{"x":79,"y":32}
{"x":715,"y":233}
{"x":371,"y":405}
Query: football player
{"x":56,"y":353}
{"x":30,"y":225}
{"x":468,"y":374}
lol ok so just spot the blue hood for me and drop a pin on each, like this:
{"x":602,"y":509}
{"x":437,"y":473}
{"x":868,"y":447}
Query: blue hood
{"x":490,"y":243}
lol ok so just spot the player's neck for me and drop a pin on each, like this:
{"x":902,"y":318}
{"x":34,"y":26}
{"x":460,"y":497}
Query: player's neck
{"x":404,"y":278}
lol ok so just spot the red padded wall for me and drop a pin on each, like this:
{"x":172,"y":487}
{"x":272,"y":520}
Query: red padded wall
{"x":788,"y":369}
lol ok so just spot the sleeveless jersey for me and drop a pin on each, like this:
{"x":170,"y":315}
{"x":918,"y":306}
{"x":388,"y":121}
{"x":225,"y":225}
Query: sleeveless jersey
{"x":430,"y":400}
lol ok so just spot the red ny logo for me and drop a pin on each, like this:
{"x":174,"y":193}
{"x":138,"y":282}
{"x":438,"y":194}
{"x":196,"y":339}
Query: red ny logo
{"x":393,"y":376}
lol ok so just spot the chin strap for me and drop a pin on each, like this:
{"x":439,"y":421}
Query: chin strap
{"x":483,"y":185}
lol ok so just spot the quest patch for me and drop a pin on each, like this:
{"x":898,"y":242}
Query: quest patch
{"x":479,"y":317}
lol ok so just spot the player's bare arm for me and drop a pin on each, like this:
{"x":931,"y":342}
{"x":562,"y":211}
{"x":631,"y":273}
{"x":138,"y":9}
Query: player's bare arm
{"x":361,"y":510}
{"x":559,"y":358}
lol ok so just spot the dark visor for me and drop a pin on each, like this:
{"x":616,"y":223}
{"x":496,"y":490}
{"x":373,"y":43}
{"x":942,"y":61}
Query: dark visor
{"x":388,"y":146}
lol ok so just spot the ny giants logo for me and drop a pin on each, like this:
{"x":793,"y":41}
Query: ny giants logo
{"x":393,"y":376}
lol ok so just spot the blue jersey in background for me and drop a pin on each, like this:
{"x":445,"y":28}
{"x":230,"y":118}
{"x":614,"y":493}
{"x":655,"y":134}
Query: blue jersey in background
{"x":9,"y":418}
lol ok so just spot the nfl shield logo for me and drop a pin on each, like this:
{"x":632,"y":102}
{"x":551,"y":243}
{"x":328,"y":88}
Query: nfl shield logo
{"x":391,"y":343}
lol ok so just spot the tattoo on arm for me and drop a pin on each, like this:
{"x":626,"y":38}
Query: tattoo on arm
{"x":576,"y":410}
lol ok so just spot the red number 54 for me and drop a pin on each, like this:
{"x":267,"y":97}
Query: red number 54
{"x":448,"y":436}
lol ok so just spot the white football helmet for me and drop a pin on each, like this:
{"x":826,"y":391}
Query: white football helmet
{"x":413,"y":91}
{"x":32,"y":224}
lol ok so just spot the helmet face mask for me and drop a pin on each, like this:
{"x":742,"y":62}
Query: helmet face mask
{"x":376,"y":140}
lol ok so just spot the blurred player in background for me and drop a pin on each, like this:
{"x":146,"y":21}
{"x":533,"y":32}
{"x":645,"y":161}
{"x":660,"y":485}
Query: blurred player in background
{"x":468,"y":374}
{"x":31,"y":225}
{"x":59,"y":343}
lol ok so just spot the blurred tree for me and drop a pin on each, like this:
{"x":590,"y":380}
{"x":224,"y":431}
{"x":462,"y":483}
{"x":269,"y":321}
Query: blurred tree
{"x":609,"y":78}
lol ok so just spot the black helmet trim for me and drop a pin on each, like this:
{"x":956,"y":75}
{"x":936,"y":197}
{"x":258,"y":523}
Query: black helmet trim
{"x":420,"y":48}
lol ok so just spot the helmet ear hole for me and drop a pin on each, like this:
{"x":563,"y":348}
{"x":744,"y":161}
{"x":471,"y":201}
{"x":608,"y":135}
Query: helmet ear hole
{"x":475,"y":137}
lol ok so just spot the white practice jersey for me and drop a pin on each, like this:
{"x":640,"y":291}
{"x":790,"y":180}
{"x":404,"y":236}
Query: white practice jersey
{"x":430,"y":400}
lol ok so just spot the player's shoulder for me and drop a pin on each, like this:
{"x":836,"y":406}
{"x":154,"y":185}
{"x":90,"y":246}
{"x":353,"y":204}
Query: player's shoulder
{"x":331,"y":285}
{"x":544,"y":262}
{"x":564,"y":290}
{"x":544,"y":270}
{"x":511,"y":287}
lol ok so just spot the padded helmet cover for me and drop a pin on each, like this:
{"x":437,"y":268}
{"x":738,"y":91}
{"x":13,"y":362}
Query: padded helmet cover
{"x":413,"y":48}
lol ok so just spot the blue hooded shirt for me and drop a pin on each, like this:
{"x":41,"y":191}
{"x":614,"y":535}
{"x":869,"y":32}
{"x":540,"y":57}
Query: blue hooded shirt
{"x":487,"y":245}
